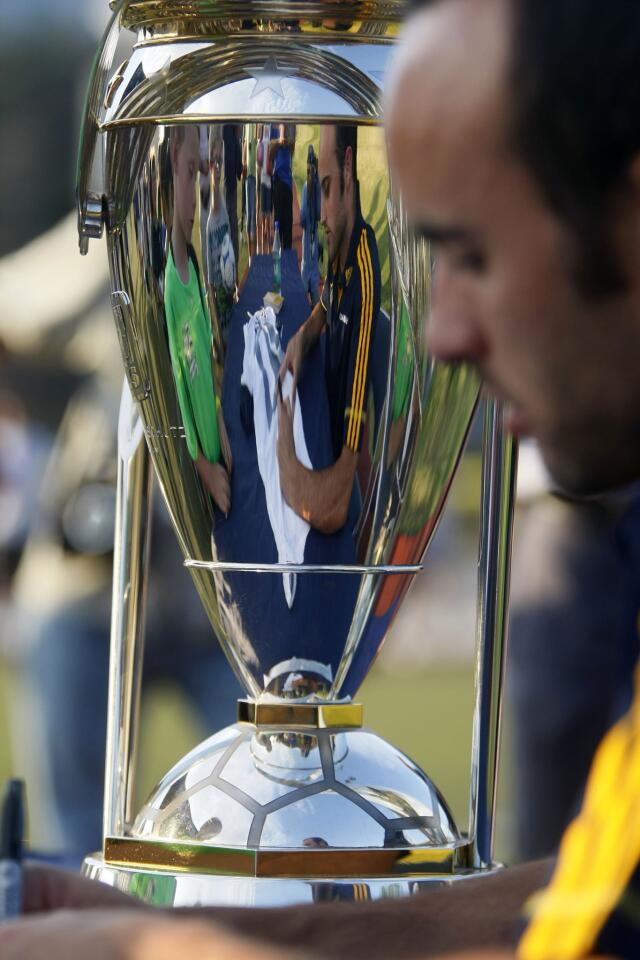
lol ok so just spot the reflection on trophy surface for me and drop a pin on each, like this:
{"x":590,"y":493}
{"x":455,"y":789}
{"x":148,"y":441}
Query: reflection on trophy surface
{"x":270,"y":301}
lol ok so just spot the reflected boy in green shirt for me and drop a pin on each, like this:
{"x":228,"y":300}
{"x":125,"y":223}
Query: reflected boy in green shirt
{"x":189,"y":328}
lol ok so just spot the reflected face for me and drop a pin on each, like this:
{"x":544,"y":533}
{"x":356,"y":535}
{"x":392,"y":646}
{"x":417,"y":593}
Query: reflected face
{"x":216,"y":157}
{"x":505,"y":298}
{"x":333,"y":213}
{"x":185,"y":156}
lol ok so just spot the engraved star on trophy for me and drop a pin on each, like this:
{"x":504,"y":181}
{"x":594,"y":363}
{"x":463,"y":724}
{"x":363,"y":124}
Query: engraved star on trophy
{"x":297,"y":801}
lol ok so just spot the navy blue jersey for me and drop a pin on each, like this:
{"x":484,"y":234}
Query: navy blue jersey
{"x":351,"y":299}
{"x":592,"y":903}
{"x":620,"y":936}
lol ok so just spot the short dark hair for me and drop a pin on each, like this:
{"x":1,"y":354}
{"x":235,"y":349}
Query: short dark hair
{"x":576,"y":117}
{"x":346,"y":136}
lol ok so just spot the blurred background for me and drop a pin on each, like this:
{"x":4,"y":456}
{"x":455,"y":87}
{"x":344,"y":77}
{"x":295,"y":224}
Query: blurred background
{"x":60,"y":378}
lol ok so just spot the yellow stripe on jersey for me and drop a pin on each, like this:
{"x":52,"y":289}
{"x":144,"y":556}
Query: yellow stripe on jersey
{"x":599,"y":854}
{"x":360,"y":892}
{"x":360,"y":400}
{"x":353,"y":413}
{"x":362,"y":359}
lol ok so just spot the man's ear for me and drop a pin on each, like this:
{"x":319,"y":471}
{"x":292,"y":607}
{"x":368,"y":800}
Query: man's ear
{"x":348,"y":167}
{"x":634,"y":174}
{"x":630,"y":236}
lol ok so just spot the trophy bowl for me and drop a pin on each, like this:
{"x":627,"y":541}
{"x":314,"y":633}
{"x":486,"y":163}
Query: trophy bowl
{"x":304,"y":456}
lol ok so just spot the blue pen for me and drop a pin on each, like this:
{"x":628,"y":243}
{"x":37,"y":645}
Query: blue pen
{"x":11,"y":839}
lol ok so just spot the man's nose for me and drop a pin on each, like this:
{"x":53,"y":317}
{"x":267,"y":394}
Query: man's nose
{"x":453,"y":329}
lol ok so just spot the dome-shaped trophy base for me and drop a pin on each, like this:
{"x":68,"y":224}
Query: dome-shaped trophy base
{"x":262,"y":816}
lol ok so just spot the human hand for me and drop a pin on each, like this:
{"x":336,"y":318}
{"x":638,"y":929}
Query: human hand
{"x":293,"y":361}
{"x":216,"y":480}
{"x":70,"y":916}
{"x":50,"y":888}
{"x":124,"y":935}
{"x":225,"y":446}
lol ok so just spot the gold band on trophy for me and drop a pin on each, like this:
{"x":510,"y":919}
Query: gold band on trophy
{"x":312,"y":863}
{"x":301,"y":716}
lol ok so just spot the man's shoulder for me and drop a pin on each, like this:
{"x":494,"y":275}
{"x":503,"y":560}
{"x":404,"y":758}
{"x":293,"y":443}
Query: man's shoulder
{"x":370,"y":239}
{"x":367,"y":251}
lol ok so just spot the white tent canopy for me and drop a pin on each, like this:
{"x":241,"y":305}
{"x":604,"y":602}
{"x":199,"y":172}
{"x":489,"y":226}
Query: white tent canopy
{"x":52,"y":298}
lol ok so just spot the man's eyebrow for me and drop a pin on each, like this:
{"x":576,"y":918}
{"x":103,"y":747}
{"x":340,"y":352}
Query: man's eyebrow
{"x":443,"y":234}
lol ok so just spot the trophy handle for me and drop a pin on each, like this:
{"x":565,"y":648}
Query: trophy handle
{"x":130,"y":567}
{"x":499,"y":473}
{"x":90,"y":199}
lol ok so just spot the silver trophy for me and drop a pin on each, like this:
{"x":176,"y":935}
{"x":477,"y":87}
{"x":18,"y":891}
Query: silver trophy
{"x":270,"y":301}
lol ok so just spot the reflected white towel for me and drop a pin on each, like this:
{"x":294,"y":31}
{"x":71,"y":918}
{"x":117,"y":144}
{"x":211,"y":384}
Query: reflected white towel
{"x":262,"y":359}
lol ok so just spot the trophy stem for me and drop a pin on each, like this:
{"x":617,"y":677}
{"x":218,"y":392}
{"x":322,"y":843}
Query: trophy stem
{"x":130,"y":564}
{"x":499,"y":472}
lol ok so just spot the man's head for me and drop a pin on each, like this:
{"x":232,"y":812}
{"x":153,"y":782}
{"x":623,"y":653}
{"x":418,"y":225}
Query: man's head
{"x":203,"y":136}
{"x":338,"y":172}
{"x":185,"y":164}
{"x":514,"y":136}
{"x":216,"y":153}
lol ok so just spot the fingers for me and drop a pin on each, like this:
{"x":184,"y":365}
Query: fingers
{"x":285,"y":409}
{"x":222,"y":495}
{"x":216,"y":480}
{"x":225,"y":445}
{"x":284,"y":366}
{"x":49,"y":888}
{"x":287,"y":360}
{"x":292,"y":359}
{"x":226,"y":453}
{"x":226,"y":491}
{"x":295,"y":370}
{"x":123,"y":935}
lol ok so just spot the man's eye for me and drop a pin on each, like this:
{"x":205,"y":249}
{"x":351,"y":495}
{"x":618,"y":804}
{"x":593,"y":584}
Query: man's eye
{"x":471,"y":259}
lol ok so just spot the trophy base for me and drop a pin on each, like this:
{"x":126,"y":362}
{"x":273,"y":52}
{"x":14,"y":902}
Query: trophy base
{"x":296,"y":804}
{"x":164,"y":888}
